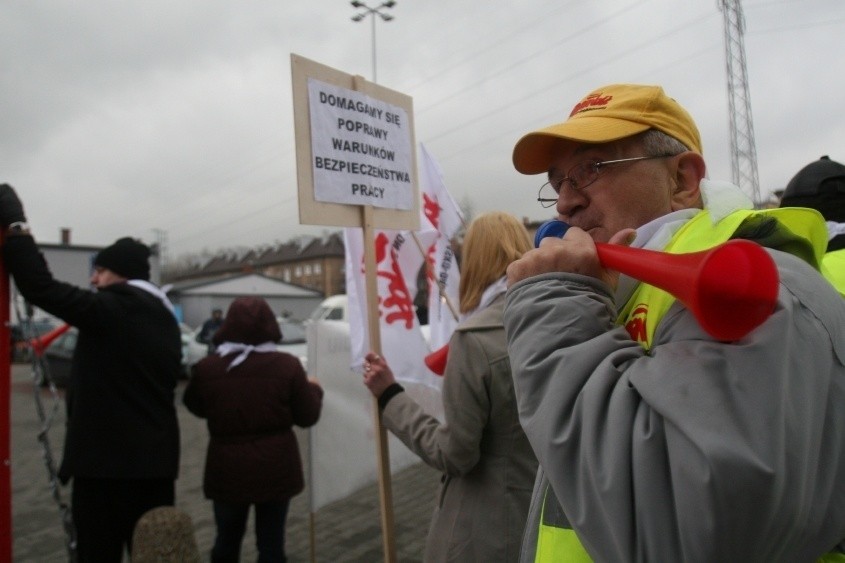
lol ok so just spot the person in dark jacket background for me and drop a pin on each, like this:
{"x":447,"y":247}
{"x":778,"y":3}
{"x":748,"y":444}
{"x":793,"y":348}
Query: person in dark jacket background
{"x":122,"y":441}
{"x":209,"y":327}
{"x":252,"y":396}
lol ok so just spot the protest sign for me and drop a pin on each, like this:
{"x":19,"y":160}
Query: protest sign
{"x":356,"y":167}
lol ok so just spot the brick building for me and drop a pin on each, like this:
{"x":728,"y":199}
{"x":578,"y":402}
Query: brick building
{"x":312,"y":262}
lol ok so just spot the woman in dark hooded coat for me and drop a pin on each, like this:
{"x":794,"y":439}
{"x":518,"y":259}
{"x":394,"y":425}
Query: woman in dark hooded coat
{"x":252,"y":396}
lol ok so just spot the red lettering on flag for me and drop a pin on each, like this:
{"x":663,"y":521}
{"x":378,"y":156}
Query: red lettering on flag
{"x":431,"y":209}
{"x":397,"y":306}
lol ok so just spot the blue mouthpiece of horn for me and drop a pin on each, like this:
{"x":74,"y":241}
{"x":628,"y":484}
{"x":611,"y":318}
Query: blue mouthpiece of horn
{"x":553,"y":228}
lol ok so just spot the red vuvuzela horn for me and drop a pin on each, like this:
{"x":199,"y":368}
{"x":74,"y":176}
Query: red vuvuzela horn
{"x":731,"y":289}
{"x":436,"y":361}
{"x":40,"y":344}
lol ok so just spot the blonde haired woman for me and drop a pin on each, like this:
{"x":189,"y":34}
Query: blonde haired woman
{"x":488,"y":467}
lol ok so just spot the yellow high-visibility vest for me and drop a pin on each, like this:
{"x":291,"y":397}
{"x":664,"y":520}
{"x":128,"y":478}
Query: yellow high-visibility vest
{"x":833,"y":268}
{"x":642,"y":313}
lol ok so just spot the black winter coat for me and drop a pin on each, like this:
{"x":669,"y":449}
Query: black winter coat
{"x":253,"y":455}
{"x":121,"y":417}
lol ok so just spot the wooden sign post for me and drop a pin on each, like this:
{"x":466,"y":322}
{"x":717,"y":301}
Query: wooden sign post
{"x":356,"y":167}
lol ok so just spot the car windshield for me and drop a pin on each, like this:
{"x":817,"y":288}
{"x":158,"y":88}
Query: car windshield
{"x":326,"y":313}
{"x":292,"y":332}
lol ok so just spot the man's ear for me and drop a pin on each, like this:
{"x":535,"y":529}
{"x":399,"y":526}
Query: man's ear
{"x":688,"y":175}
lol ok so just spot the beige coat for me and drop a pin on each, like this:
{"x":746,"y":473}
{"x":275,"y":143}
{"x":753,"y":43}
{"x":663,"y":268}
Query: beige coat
{"x":488,"y":466}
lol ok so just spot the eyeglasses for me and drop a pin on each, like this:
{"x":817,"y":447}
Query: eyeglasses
{"x":580,"y":176}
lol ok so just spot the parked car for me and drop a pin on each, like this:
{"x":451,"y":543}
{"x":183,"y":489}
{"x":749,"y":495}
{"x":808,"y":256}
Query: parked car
{"x":59,"y":354}
{"x":293,"y":339}
{"x":58,"y":358}
{"x":192,"y":351}
{"x":332,"y":308}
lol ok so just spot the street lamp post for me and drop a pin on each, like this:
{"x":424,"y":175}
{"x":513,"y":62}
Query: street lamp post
{"x":373,"y":12}
{"x":382,"y":457}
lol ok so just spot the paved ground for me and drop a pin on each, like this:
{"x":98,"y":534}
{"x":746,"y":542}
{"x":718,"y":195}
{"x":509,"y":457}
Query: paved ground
{"x":348,"y":530}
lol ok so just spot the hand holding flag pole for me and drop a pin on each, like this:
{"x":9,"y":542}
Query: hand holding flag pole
{"x":382,"y":452}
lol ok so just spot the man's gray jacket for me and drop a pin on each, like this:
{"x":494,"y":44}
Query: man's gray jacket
{"x":697,"y":450}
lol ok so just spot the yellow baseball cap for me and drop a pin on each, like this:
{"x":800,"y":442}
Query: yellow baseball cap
{"x":608,"y":114}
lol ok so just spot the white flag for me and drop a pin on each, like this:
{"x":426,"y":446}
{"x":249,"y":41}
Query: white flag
{"x":441,"y":214}
{"x":398,"y":259}
{"x":347,"y":409}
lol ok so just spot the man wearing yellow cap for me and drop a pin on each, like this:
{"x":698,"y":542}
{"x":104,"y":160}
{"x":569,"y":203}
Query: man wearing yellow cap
{"x":657,"y":441}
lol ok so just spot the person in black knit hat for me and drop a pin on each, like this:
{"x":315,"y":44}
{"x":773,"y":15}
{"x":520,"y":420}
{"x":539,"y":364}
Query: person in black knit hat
{"x":821,"y":186}
{"x":122,"y":441}
{"x":127,"y":257}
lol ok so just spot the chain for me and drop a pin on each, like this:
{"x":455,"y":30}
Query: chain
{"x":46,"y":416}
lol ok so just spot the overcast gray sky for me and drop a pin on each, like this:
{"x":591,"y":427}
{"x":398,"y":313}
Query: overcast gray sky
{"x":138,"y":118}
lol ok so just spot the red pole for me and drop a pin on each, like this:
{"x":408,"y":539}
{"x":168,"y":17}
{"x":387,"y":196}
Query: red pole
{"x":5,"y":418}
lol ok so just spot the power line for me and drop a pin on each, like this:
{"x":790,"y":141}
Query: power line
{"x":569,"y":77}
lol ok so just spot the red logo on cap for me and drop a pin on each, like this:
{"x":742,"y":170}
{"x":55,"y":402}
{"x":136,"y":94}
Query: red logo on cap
{"x":593,"y":101}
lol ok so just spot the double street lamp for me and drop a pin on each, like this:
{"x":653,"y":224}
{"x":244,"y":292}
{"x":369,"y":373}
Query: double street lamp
{"x":373,"y":12}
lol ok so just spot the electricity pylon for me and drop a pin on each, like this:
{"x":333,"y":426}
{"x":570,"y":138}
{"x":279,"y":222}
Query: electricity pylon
{"x":743,"y":148}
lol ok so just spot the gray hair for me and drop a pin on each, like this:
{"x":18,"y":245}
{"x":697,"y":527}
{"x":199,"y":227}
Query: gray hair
{"x":658,"y":143}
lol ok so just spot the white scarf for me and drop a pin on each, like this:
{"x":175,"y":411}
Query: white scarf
{"x":245,"y":350}
{"x":493,"y":290}
{"x":153,"y":290}
{"x":834,"y":229}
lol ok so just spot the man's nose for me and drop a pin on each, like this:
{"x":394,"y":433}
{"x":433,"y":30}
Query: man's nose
{"x":569,"y":200}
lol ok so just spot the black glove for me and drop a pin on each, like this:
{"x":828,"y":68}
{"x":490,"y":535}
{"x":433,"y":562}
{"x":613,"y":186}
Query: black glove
{"x":11,"y":208}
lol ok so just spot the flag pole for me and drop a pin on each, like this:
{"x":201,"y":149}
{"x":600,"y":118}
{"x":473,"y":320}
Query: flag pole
{"x":440,"y":289}
{"x":382,"y":454}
